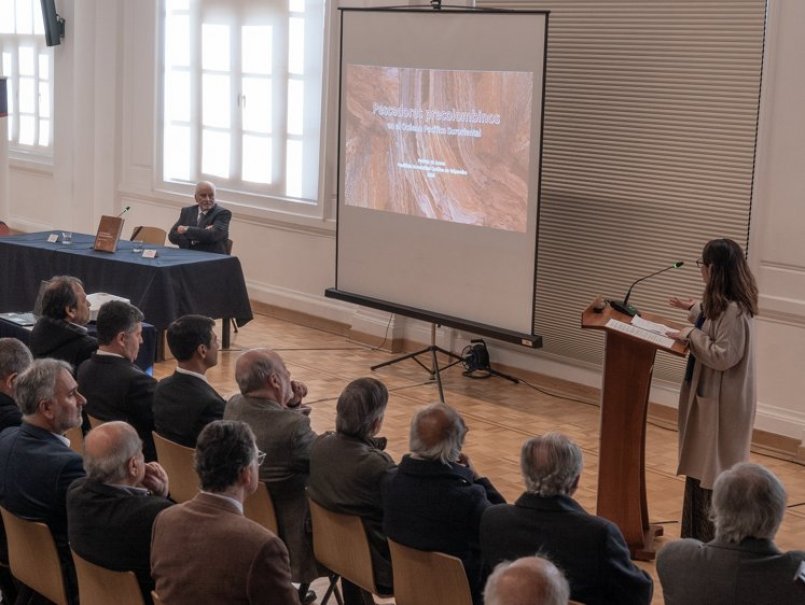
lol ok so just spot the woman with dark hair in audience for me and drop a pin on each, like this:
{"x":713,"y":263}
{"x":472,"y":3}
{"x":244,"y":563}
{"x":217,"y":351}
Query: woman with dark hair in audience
{"x":717,"y":399}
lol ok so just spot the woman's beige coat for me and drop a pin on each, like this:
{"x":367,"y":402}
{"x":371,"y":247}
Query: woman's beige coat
{"x":717,"y":407}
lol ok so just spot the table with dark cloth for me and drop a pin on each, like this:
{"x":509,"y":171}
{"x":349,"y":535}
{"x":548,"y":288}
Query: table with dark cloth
{"x":175,"y":283}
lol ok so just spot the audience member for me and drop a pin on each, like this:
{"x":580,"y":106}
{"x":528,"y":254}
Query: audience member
{"x":115,"y":387}
{"x":60,"y":333}
{"x":203,"y":226}
{"x":184,"y":403}
{"x":546,"y":519}
{"x":14,"y":358}
{"x":36,"y":462}
{"x":205,"y":550}
{"x":435,"y":498}
{"x":270,"y":403}
{"x":741,"y":565}
{"x":346,"y":471}
{"x":111,"y":511}
{"x":526,"y":581}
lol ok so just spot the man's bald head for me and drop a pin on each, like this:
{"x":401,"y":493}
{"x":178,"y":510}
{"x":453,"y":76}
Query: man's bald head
{"x":527,"y":581}
{"x":107,"y":450}
{"x":205,"y":195}
{"x":437,"y":433}
{"x":262,"y":371}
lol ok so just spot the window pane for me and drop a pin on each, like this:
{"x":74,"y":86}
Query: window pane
{"x":177,"y":41}
{"x":215,"y":101}
{"x":296,"y":106}
{"x":215,"y":47}
{"x":257,"y":106}
{"x":24,"y":15}
{"x":177,"y":95}
{"x":293,"y":169}
{"x":176,"y":154}
{"x":44,"y":133}
{"x":296,"y":6}
{"x":173,"y":5}
{"x":256,"y":159}
{"x":7,"y":64}
{"x":44,"y":100}
{"x":39,"y":24}
{"x":215,"y":153}
{"x":26,"y":60}
{"x":296,"y":45}
{"x":27,"y":95}
{"x":256,"y":49}
{"x":44,"y":66}
{"x":6,"y":16}
{"x":27,"y":128}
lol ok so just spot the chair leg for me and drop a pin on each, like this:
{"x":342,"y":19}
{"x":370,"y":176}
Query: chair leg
{"x":235,"y":325}
{"x":332,"y":589}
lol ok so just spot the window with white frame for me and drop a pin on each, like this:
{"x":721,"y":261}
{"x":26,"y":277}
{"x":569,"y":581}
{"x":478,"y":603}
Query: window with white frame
{"x":27,"y":63}
{"x":241,"y":92}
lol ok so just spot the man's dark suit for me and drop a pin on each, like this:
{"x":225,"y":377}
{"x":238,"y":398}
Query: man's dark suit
{"x":205,"y":551}
{"x":753,"y":572}
{"x":36,"y":469}
{"x":10,"y":414}
{"x":183,"y":406}
{"x":111,"y":527}
{"x":61,"y":340}
{"x":433,"y":506}
{"x":198,"y":236}
{"x":116,"y":389}
{"x":590,"y":550}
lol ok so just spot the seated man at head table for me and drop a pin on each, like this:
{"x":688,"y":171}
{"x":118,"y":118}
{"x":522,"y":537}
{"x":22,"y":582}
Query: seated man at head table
{"x":37,"y":465}
{"x":185,"y":402}
{"x":741,"y":565}
{"x":111,"y":511}
{"x":60,"y":332}
{"x":203,"y":226}
{"x":115,"y":387}
{"x":204,"y":550}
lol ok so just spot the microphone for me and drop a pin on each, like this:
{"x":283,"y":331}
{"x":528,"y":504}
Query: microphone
{"x":125,"y":210}
{"x":623,"y":305}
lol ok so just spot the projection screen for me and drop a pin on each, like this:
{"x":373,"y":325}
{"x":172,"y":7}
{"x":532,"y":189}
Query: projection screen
{"x":440,"y":133}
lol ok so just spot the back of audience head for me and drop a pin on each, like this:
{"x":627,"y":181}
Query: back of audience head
{"x":748,"y":502}
{"x":14,"y":359}
{"x":224,"y":450}
{"x":47,"y":394}
{"x":64,"y":298}
{"x":110,"y":454}
{"x":262,"y":370}
{"x":186,"y":334}
{"x":526,"y":581}
{"x":360,"y":408}
{"x":437,"y":433}
{"x":551,"y":465}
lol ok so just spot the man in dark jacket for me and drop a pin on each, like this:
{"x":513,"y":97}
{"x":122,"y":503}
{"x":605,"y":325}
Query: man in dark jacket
{"x":14,"y":358}
{"x":436,"y":498}
{"x":546,"y":520}
{"x":204,"y":226}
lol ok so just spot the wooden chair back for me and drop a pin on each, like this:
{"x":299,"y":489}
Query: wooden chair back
{"x":424,"y":577}
{"x":177,"y":460}
{"x":100,"y":586}
{"x":149,"y":235}
{"x":341,"y":545}
{"x":76,"y":438}
{"x":259,"y":507}
{"x":33,"y":558}
{"x":4,"y":229}
{"x":228,"y":244}
{"x":94,"y":422}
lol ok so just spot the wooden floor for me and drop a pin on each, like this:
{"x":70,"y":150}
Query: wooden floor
{"x":500,"y":416}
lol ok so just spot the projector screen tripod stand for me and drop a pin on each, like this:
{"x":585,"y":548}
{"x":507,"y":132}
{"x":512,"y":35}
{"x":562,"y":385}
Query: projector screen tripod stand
{"x":434,"y":369}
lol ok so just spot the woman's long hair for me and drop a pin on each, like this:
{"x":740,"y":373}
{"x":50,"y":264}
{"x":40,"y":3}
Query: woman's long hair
{"x":730,"y":279}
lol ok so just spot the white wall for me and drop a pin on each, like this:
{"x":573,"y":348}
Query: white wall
{"x":104,"y":160}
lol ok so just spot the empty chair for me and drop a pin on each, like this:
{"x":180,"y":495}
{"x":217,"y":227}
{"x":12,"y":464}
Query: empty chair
{"x":260,"y":508}
{"x":424,"y":577}
{"x":341,"y":545}
{"x":177,"y":460}
{"x":149,"y":235}
{"x":100,"y":586}
{"x":33,"y":558}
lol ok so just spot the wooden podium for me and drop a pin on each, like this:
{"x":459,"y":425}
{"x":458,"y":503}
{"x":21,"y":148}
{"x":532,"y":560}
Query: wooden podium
{"x":628,"y":365}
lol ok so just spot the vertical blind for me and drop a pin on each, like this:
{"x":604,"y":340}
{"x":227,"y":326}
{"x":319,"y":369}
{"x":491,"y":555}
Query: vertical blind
{"x":651,"y":112}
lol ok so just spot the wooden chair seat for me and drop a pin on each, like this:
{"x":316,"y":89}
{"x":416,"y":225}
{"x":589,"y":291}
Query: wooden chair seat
{"x":101,"y":586}
{"x":177,"y":460}
{"x":425,"y":577}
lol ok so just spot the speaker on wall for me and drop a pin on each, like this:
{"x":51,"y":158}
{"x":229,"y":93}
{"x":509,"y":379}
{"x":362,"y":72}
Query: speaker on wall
{"x":54,"y":24}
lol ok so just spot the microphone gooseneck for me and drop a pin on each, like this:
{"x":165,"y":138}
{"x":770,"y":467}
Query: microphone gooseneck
{"x":623,"y":305}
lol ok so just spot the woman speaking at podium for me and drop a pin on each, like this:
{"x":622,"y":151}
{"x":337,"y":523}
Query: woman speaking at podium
{"x":717,"y":399}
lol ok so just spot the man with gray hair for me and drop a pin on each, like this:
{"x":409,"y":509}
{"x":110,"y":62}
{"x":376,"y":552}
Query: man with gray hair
{"x":347,"y":469}
{"x":547,"y":520}
{"x":526,"y":581}
{"x":111,"y":511}
{"x":37,"y":465}
{"x":741,"y":565}
{"x":435,"y":499}
{"x":14,"y":358}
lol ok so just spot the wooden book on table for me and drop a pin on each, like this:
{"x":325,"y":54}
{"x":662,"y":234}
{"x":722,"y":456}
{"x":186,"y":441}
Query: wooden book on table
{"x":109,"y":230}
